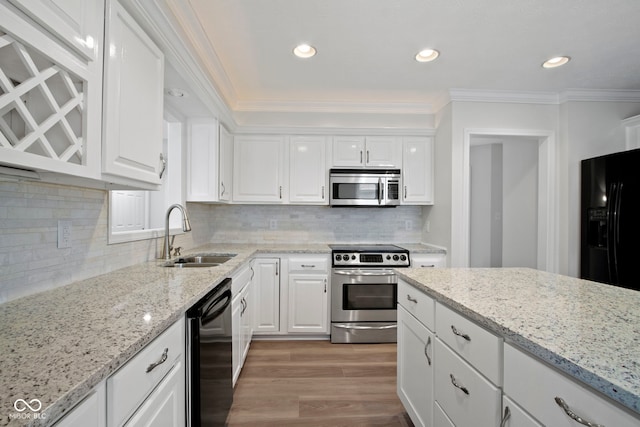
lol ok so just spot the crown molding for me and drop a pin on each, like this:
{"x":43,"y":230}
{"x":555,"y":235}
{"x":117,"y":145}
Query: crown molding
{"x":332,"y":131}
{"x":333,"y":107}
{"x":514,"y":97}
{"x":597,"y":95}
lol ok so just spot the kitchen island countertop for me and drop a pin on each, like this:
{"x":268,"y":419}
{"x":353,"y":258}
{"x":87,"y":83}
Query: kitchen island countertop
{"x":589,"y":330}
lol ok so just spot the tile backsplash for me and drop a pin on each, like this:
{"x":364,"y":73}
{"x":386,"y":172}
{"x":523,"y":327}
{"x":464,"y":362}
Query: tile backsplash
{"x":30,"y":260}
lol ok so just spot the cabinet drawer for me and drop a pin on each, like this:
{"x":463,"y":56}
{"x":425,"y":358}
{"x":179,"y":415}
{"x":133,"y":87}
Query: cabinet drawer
{"x":315,"y":263}
{"x":240,"y":279}
{"x":131,"y":384}
{"x":534,"y":385}
{"x":466,"y":397}
{"x":474,"y":344}
{"x":517,"y":416}
{"x":429,"y":261}
{"x":417,"y":303}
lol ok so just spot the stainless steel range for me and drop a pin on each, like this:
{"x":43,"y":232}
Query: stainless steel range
{"x":364,"y":291}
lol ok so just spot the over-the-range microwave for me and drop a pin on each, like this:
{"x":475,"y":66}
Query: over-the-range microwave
{"x":364,"y":187}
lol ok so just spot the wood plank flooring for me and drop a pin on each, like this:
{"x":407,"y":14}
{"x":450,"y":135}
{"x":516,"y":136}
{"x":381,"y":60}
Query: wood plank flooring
{"x":316,"y":383}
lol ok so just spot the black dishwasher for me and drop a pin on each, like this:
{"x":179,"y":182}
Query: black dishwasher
{"x":210,"y":356}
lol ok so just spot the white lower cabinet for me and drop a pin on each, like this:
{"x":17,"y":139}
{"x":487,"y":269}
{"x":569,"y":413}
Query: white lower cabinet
{"x":415,"y":368}
{"x":466,"y":396}
{"x":428,"y":260}
{"x":91,"y":412}
{"x":241,"y":318}
{"x":165,"y":407}
{"x":541,"y":390}
{"x":440,"y":419}
{"x":267,"y":295}
{"x":153,"y":382}
{"x":308,"y":294}
{"x":514,"y":416}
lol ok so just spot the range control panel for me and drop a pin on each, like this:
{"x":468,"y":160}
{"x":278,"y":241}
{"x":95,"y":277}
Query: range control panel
{"x":363,"y":257}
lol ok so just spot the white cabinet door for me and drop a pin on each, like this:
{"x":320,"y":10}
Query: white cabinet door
{"x":308,"y":303}
{"x":370,"y":151}
{"x":307,"y":170}
{"x":535,"y":387}
{"x":415,"y":368}
{"x":91,"y":412}
{"x":202,"y":160}
{"x":133,"y":101}
{"x":226,"y":165}
{"x":258,"y":165}
{"x":246,"y":323}
{"x":236,"y":336}
{"x":165,"y":407}
{"x":514,"y":416}
{"x":383,"y":151}
{"x":417,"y":170}
{"x":78,"y":23}
{"x":348,"y":151}
{"x":266,"y":288}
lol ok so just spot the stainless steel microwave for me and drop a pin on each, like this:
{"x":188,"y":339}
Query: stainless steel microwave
{"x":364,"y":187}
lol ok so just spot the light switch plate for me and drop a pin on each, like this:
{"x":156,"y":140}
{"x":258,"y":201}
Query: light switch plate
{"x":64,"y":234}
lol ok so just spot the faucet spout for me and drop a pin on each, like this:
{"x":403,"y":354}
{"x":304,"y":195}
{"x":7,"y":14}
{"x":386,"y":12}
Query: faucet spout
{"x":186,"y":226}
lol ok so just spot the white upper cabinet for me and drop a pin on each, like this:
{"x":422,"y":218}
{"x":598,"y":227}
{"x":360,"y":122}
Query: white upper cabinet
{"x":133,"y":101}
{"x":258,"y":169}
{"x":78,"y":23}
{"x":308,"y":170}
{"x":417,"y":171}
{"x":51,"y":99}
{"x":202,"y":160}
{"x":226,"y":166}
{"x":370,"y":151}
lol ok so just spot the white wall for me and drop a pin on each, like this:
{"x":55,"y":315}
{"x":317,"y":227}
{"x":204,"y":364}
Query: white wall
{"x":481,"y":206}
{"x":590,"y":129}
{"x":486,"y":116}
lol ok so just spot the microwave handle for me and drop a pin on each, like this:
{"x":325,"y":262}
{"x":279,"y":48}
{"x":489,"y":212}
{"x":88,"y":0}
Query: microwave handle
{"x":380,"y":191}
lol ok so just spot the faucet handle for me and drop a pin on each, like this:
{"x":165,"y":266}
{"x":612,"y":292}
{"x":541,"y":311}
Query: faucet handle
{"x":176,"y":251}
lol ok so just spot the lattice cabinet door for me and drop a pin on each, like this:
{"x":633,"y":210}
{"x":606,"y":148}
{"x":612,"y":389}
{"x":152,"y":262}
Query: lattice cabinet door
{"x":50,"y":100}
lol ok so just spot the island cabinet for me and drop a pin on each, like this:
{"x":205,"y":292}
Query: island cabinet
{"x":553,"y":399}
{"x":416,"y":362}
{"x":90,"y":412}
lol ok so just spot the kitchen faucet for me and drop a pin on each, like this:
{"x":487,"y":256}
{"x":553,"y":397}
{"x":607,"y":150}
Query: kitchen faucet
{"x":186,"y":226}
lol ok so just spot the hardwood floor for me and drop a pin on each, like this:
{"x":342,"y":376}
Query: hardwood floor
{"x":316,"y":383}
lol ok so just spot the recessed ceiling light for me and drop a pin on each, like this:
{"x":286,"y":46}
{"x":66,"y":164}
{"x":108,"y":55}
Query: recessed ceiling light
{"x":427,"y":55}
{"x":304,"y":51}
{"x":556,"y":62}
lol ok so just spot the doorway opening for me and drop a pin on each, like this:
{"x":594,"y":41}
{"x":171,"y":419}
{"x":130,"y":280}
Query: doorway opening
{"x":509,"y":211}
{"x":503,"y":201}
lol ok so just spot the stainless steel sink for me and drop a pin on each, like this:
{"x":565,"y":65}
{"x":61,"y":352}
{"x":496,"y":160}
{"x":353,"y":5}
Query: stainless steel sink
{"x":208,"y":260}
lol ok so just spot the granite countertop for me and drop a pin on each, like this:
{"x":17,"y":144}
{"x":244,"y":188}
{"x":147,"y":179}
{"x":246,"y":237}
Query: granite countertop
{"x":55,"y":346}
{"x":589,"y":330}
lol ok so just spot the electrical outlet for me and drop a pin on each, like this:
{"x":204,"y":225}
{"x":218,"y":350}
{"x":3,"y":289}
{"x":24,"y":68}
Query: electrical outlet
{"x":273,"y":224}
{"x":64,"y":234}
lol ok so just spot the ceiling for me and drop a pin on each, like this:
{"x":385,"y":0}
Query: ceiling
{"x":366,"y":49}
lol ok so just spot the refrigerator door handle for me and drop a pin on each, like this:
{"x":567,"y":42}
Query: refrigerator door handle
{"x":616,"y":238}
{"x":612,"y":232}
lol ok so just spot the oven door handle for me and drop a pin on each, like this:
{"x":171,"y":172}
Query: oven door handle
{"x":364,"y":273}
{"x":362,"y":327}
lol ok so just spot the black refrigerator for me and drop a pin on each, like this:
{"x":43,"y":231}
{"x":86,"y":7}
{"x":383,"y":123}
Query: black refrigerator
{"x":610,"y":218}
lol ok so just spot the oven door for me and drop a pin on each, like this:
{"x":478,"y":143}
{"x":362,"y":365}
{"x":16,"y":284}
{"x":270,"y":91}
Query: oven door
{"x":363,"y":295}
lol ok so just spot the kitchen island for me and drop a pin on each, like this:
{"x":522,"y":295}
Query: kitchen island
{"x":587,"y":330}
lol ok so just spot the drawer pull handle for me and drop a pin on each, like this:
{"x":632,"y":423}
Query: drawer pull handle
{"x":426,"y":347}
{"x":460,"y":334}
{"x":412,"y":299}
{"x":163,"y":359}
{"x":307,"y":265}
{"x":428,"y":266}
{"x":505,"y":417}
{"x":561,"y":403}
{"x":461,"y":387}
